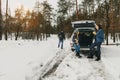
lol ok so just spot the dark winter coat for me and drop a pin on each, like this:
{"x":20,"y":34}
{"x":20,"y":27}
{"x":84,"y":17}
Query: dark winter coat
{"x":61,"y":36}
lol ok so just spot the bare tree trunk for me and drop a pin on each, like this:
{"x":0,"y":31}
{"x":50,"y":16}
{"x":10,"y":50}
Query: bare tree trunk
{"x":6,"y":25}
{"x":17,"y":31}
{"x":77,"y":10}
{"x":107,"y":20}
{"x":38,"y":33}
{"x":0,"y":22}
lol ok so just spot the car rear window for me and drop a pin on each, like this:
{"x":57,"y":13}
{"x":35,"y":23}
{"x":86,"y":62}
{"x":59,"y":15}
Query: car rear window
{"x":84,"y":25}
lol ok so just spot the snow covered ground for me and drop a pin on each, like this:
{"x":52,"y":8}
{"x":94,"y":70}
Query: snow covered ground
{"x":73,"y":68}
{"x":33,"y":60}
{"x":19,"y":58}
{"x":111,"y":60}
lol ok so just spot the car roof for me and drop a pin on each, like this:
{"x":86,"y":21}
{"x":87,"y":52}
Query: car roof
{"x":83,"y":21}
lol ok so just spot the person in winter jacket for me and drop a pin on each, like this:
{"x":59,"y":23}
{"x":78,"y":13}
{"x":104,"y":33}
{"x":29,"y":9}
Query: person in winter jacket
{"x":99,"y":38}
{"x":76,"y":44}
{"x":61,"y":37}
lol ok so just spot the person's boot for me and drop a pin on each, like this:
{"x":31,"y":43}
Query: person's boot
{"x":97,"y":59}
{"x":77,"y":54}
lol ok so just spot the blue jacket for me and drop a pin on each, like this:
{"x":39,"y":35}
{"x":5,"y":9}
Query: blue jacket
{"x":99,"y":36}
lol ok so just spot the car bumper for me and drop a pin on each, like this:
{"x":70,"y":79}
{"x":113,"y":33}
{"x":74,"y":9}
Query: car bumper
{"x":82,"y":48}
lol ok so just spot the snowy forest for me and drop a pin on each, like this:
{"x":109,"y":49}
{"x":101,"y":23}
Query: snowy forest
{"x":43,"y":20}
{"x":30,"y":41}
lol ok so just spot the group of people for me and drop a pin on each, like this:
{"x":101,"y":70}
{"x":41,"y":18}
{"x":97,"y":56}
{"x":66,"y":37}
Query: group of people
{"x":98,"y":36}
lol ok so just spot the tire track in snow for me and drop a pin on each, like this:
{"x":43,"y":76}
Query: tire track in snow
{"x":50,"y":67}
